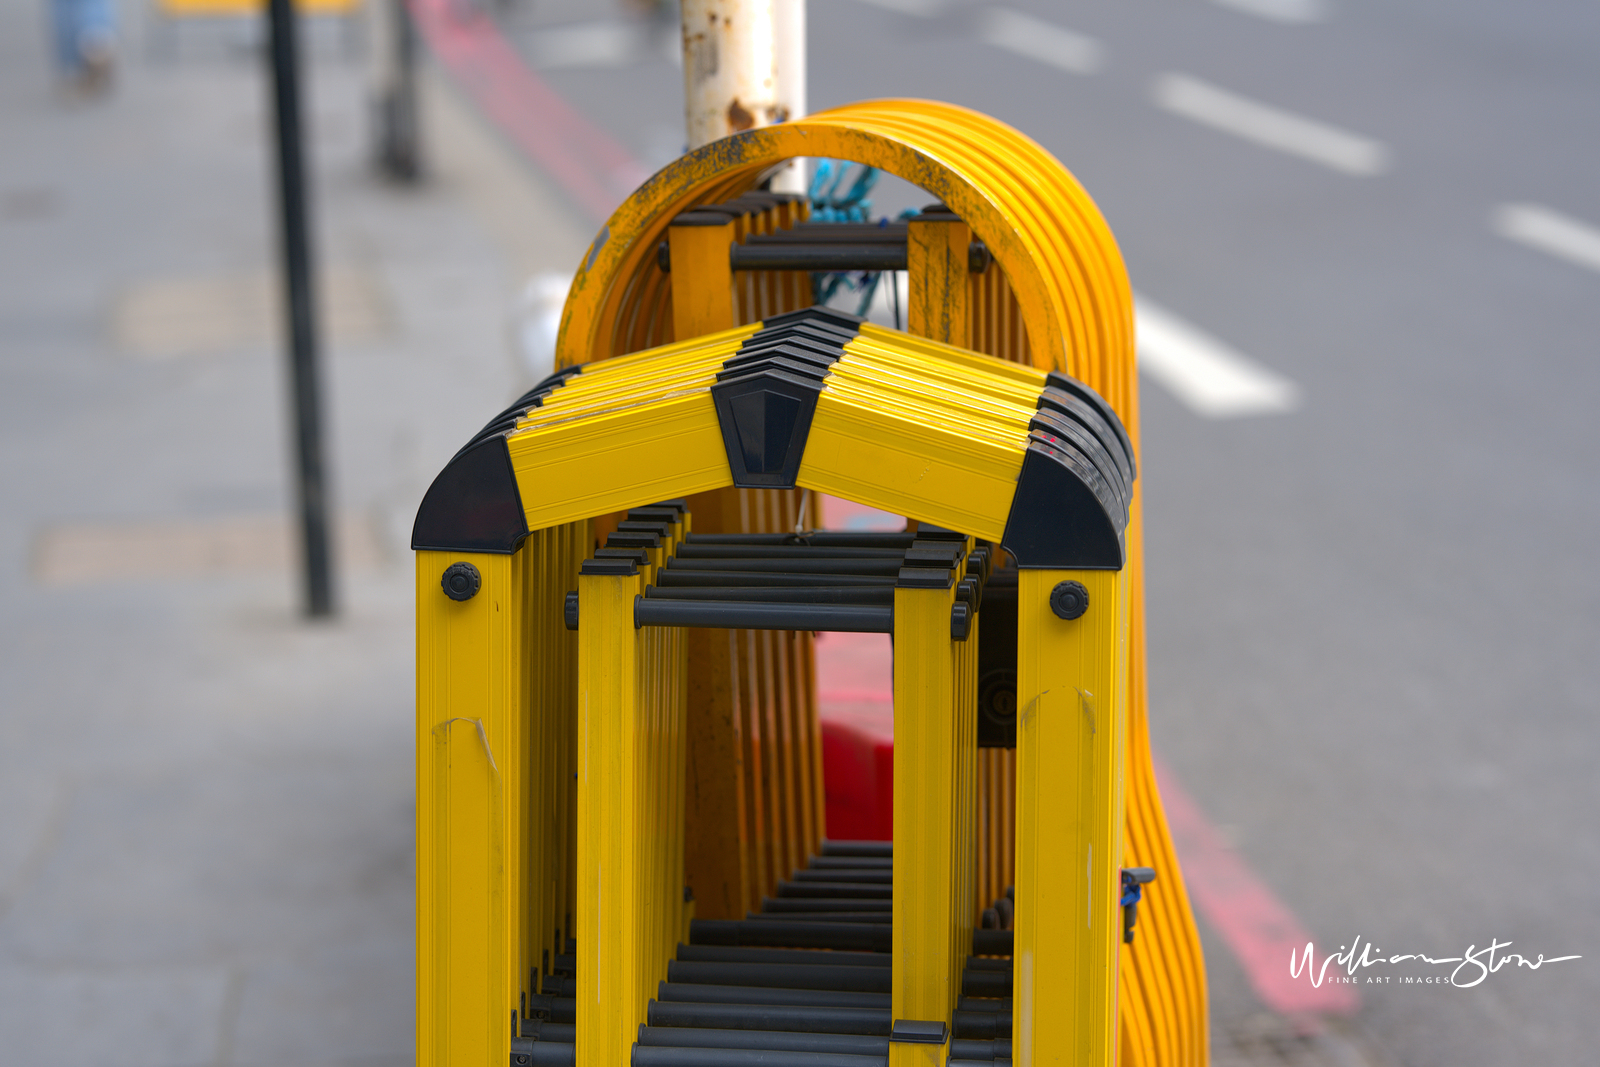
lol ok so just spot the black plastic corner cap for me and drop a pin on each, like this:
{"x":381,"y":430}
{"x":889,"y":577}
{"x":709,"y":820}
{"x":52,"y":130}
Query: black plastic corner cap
{"x":609,"y":567}
{"x":1067,"y":383}
{"x":765,"y":416}
{"x":816,"y":313}
{"x":1058,"y":520}
{"x":924,"y":578}
{"x":473,"y":505}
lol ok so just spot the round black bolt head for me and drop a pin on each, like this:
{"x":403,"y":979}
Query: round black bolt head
{"x":461,"y":581}
{"x":1069,"y":599}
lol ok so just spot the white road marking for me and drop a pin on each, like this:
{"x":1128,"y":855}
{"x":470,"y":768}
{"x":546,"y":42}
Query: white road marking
{"x":1210,"y":378}
{"x":1280,"y":10}
{"x":1268,"y":126}
{"x":1040,"y":40}
{"x":921,"y":8}
{"x":1548,"y":231}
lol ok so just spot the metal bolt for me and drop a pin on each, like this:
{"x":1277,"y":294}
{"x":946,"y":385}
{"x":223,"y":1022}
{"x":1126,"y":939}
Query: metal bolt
{"x":1069,"y":600}
{"x":461,"y":581}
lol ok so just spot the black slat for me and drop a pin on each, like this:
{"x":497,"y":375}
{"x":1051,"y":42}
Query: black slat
{"x":780,"y":933}
{"x":786,"y":905}
{"x":781,"y":976}
{"x":776,"y":1040}
{"x":883,"y":849}
{"x":845,"y":874}
{"x":730,"y":994}
{"x":798,"y":1019}
{"x":794,"y":957}
{"x":667,"y":1056}
{"x":833,"y":889}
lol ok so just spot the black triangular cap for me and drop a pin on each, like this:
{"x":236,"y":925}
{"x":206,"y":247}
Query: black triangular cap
{"x":765,"y":415}
{"x":1063,"y":516}
{"x":473,"y":505}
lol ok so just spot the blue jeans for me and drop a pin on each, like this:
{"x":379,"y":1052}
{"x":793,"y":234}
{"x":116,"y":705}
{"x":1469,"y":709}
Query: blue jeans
{"x":82,"y":27}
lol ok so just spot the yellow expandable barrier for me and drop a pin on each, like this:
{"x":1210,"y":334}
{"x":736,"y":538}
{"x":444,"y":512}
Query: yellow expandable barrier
{"x":589,"y":800}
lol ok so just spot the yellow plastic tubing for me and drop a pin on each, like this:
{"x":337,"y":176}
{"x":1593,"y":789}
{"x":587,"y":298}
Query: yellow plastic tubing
{"x":1049,"y":238}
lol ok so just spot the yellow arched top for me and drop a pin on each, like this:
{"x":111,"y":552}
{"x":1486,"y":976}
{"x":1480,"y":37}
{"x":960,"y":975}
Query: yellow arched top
{"x":1042,"y":228}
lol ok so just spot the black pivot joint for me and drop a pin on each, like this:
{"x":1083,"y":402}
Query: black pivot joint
{"x":461,"y":581}
{"x":1069,"y":600}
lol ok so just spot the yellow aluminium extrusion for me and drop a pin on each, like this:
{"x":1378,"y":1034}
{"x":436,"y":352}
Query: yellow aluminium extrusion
{"x":905,"y":467}
{"x":948,"y":353}
{"x":619,"y":460}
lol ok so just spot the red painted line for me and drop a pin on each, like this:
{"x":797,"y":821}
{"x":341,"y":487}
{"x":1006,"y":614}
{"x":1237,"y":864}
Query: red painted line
{"x":592,"y":166}
{"x":1258,"y":928}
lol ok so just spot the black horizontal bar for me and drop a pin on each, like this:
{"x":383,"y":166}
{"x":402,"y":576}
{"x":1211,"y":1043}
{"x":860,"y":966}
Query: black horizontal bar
{"x":981,"y":1050}
{"x":999,"y":1004}
{"x":780,"y":933}
{"x":782,"y":975}
{"x":789,"y":904}
{"x":846,"y":538}
{"x":559,"y":1009}
{"x":547,"y":1031}
{"x":834,"y":232}
{"x":823,"y":916}
{"x":991,"y":942}
{"x":852,"y":862}
{"x":988,"y":963}
{"x":981,"y":1024}
{"x":742,"y":615}
{"x":879,"y":567}
{"x":794,"y":1018}
{"x":705,"y":550}
{"x":827,"y":256}
{"x":659,"y":1056}
{"x":834,"y":889}
{"x":794,"y":957}
{"x":882,"y":595}
{"x":685,"y":578}
{"x":734,"y":994}
{"x":773,"y":1040}
{"x":845,"y":874}
{"x":985,"y":983}
{"x":880,"y":849}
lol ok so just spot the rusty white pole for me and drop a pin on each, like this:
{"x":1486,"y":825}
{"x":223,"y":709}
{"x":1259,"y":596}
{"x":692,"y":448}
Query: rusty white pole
{"x":743,"y":67}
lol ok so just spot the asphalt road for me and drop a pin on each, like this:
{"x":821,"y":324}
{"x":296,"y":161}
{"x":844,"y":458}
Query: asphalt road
{"x":1374,"y":619}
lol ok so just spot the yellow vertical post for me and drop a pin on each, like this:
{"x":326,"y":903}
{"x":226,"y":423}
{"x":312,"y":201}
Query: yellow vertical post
{"x":470,"y":752}
{"x":938,"y":295}
{"x":702,"y":273}
{"x":926,"y":976}
{"x":609,"y":903}
{"x":1071,"y":719}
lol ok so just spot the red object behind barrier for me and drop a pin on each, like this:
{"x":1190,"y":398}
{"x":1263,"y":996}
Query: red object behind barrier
{"x":858,"y":769}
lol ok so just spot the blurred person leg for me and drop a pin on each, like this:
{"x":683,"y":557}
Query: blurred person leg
{"x":84,"y":38}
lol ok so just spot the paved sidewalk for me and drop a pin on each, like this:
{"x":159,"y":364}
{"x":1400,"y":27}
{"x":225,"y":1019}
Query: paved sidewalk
{"x":206,"y":804}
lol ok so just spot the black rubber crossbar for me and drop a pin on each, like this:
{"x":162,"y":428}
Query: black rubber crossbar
{"x":880,"y":567}
{"x":845,"y":874}
{"x":796,"y":1018}
{"x":986,"y":983}
{"x":862,"y":863}
{"x":981,"y":1024}
{"x":673,"y":579}
{"x":782,"y":976}
{"x":793,"y":957}
{"x":881,"y":849}
{"x":980,"y":1050}
{"x":834,"y":889}
{"x":777,"y":905}
{"x":781,"y":933}
{"x":991,"y":942}
{"x":1000,"y":1004}
{"x":826,"y":538}
{"x":526,"y":1052}
{"x":774,"y":1040}
{"x":881,"y":595}
{"x":667,"y":1056}
{"x":702,"y":550}
{"x":755,"y":615}
{"x":818,"y":257}
{"x":825,"y":916}
{"x":732,"y":994}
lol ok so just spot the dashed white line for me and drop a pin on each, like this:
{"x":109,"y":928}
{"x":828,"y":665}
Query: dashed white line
{"x":1269,"y":126}
{"x":1044,"y":41}
{"x":1548,"y":231}
{"x":1280,"y":10}
{"x":1210,"y":378}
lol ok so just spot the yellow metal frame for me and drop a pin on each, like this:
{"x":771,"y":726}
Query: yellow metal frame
{"x":495,"y":756}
